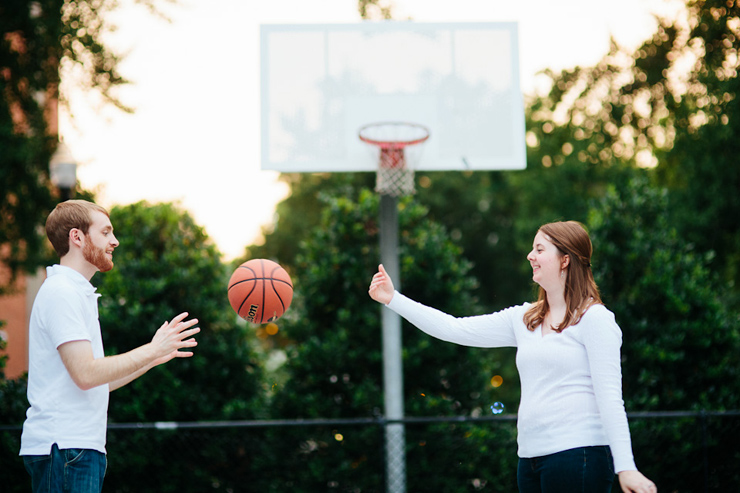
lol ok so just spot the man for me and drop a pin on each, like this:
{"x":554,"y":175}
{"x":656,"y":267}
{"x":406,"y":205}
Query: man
{"x":69,"y":377}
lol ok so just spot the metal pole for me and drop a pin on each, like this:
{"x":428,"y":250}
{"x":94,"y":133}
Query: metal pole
{"x":704,"y":447}
{"x":395,"y":440}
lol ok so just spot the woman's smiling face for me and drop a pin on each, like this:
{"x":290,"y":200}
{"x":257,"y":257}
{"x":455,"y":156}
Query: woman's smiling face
{"x":546,"y":261}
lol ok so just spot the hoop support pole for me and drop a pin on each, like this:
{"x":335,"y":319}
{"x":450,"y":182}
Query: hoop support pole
{"x":395,"y":441}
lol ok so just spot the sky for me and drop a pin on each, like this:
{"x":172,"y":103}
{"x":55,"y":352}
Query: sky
{"x":194,"y":137}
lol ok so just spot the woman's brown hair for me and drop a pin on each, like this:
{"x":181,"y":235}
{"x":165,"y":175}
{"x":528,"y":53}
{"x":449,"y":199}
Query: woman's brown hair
{"x":581,"y":291}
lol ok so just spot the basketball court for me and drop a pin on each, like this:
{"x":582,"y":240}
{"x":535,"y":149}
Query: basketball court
{"x":391,"y":98}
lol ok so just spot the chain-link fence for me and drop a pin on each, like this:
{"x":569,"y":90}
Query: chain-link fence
{"x":681,"y":451}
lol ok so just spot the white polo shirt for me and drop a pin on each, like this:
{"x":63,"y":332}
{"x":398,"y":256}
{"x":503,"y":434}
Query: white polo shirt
{"x":65,"y":310}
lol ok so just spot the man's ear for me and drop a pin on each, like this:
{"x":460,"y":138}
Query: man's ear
{"x":75,"y":237}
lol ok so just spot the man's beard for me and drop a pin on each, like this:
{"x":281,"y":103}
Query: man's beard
{"x":97,"y":257}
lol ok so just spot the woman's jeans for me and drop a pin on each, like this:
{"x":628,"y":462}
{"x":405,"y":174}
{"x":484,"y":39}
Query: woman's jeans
{"x":578,"y":470}
{"x":67,"y":471}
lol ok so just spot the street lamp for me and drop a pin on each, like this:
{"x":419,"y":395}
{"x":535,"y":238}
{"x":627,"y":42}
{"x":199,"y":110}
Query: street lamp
{"x":63,"y":171}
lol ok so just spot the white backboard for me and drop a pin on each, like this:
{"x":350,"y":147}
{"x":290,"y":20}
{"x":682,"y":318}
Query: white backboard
{"x":321,"y":83}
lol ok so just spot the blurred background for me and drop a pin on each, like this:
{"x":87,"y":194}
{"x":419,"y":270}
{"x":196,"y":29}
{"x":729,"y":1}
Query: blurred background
{"x":151,"y":108}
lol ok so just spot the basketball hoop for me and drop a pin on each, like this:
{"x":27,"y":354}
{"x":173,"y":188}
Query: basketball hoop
{"x":390,"y":140}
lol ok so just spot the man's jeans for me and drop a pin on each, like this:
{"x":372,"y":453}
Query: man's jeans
{"x":67,"y":471}
{"x":579,"y":470}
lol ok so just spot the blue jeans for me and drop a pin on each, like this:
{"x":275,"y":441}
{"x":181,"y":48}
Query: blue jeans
{"x":67,"y":471}
{"x":578,"y":470}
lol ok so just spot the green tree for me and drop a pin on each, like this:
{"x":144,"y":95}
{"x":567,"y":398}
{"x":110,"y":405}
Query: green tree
{"x":595,"y":131}
{"x":334,"y":358}
{"x":13,"y":405}
{"x":165,"y":265}
{"x":701,"y":168}
{"x":300,"y":213}
{"x":680,"y":337}
{"x":375,"y":9}
{"x":672,"y":105}
{"x":37,"y":39}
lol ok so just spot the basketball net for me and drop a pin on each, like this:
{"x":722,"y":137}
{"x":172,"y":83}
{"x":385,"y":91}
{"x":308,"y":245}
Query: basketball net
{"x":391,"y":143}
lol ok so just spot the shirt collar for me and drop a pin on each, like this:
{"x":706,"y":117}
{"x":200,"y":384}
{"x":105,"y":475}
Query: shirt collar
{"x":74,"y":276}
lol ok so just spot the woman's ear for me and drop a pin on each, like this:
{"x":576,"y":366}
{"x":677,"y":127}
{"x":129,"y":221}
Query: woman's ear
{"x":565,"y":261}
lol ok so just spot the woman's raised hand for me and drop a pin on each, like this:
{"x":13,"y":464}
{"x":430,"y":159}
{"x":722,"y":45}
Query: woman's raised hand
{"x":381,"y":287}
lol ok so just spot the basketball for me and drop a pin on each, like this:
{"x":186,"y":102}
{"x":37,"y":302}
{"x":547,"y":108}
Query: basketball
{"x":260,"y":291}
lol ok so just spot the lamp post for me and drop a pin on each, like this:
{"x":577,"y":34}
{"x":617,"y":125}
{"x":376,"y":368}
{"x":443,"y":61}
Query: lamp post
{"x":63,"y":171}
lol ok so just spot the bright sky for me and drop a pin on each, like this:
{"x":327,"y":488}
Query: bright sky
{"x":194,"y":137}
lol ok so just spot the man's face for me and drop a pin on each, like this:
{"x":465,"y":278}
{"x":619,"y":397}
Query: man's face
{"x":100,"y":243}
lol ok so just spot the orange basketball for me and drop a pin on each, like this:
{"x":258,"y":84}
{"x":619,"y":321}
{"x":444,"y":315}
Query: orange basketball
{"x":260,"y":291}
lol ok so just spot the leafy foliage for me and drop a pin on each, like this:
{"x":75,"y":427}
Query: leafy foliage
{"x":166,"y":264}
{"x":642,"y":147}
{"x":679,"y":337}
{"x":334,"y":362}
{"x":13,"y":403}
{"x":375,"y":9}
{"x":672,"y":105}
{"x":39,"y":39}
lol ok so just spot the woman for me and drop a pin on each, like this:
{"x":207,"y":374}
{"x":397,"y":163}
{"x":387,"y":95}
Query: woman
{"x":572,"y":427}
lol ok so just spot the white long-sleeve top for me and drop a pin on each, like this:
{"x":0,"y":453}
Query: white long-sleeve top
{"x":571,"y":382}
